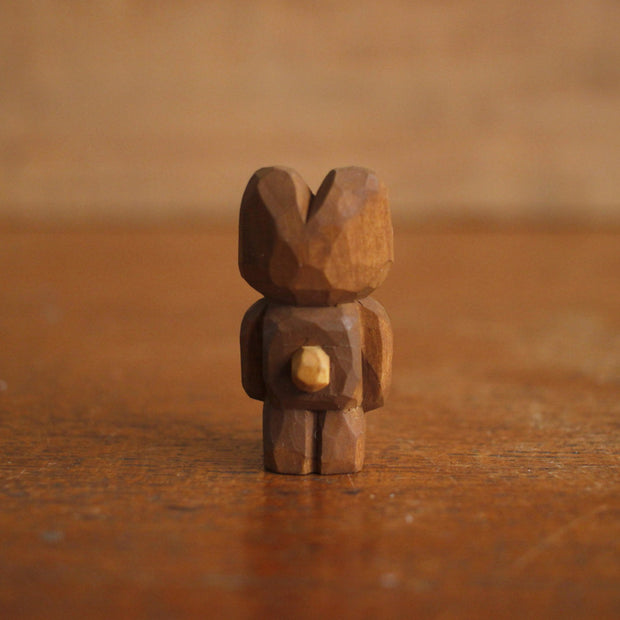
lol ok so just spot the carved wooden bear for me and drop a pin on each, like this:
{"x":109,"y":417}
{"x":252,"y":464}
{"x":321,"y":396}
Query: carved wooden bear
{"x":316,"y":349}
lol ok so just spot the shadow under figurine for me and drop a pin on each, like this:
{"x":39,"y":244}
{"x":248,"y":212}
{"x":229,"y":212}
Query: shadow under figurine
{"x":316,"y":349}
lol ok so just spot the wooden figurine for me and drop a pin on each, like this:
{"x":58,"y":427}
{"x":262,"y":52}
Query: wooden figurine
{"x":316,"y":349}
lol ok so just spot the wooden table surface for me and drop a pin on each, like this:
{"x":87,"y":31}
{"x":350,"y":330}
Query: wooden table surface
{"x":131,"y":482}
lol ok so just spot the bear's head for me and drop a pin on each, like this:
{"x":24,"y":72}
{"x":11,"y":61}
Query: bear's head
{"x":315,"y":250}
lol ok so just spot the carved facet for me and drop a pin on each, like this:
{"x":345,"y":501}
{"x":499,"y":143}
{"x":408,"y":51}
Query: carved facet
{"x":377,"y":351}
{"x":251,"y":341}
{"x":343,"y":441}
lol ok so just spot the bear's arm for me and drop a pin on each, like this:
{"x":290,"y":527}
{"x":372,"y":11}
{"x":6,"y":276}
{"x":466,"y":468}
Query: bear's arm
{"x":377,"y":348}
{"x":251,"y":340}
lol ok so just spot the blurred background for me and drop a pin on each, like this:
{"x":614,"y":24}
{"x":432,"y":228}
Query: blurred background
{"x":154,"y":110}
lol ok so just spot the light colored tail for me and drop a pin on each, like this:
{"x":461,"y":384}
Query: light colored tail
{"x":310,"y":368}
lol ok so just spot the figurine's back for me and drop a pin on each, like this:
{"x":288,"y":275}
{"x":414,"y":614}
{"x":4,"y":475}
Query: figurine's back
{"x":316,"y":349}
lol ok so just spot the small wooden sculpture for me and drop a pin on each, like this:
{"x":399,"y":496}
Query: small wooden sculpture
{"x":316,"y":349}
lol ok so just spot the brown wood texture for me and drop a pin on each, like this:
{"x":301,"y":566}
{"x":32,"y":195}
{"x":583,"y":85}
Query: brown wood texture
{"x":131,"y":474}
{"x":303,"y":441}
{"x":377,"y":353}
{"x":251,"y":350}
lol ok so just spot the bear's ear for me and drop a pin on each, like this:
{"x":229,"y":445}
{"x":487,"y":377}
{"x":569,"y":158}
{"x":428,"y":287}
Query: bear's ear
{"x":277,"y":189}
{"x":272,"y":218}
{"x":350,"y":233}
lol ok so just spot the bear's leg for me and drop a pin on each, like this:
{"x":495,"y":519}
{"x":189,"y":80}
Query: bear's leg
{"x":343,"y":436}
{"x":290,"y":440}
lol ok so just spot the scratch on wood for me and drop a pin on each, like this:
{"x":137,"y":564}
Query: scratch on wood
{"x":533,"y":552}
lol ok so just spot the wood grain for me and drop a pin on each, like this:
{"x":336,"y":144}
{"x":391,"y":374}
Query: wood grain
{"x":131,"y":475}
